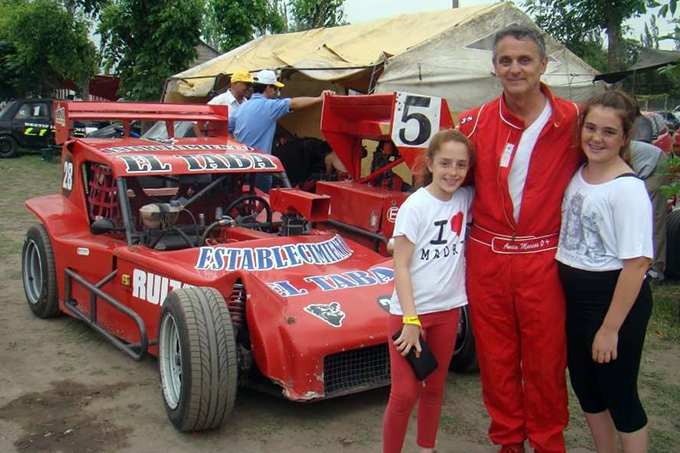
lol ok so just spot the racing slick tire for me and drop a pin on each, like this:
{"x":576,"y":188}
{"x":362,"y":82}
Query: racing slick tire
{"x":673,"y":244}
{"x":38,"y":273}
{"x":197,"y":359}
{"x":8,"y":147}
{"x":465,"y":353}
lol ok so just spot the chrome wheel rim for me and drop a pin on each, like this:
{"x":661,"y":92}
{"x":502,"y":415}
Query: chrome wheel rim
{"x":32,"y":272}
{"x":170,"y":357}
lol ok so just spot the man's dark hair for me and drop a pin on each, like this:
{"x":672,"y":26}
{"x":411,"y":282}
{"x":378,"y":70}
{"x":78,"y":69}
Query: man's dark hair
{"x":519,"y":32}
{"x":259,"y":88}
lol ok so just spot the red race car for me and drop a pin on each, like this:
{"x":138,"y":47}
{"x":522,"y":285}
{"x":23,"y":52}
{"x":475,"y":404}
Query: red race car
{"x":166,"y":247}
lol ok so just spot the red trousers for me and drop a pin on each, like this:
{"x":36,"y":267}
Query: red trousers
{"x":439,"y":331}
{"x":518,"y":318}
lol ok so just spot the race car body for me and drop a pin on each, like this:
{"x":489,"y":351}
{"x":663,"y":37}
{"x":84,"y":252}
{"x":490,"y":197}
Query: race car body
{"x":166,"y":247}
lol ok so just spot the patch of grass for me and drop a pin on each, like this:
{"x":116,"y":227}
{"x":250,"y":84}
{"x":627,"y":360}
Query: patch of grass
{"x":13,"y":274}
{"x":9,"y":246}
{"x":665,"y":322}
{"x":28,"y":176}
{"x":662,"y":397}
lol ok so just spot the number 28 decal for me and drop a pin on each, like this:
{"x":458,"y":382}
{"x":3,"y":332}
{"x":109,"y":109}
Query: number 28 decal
{"x":67,"y":176}
{"x":416,"y":120}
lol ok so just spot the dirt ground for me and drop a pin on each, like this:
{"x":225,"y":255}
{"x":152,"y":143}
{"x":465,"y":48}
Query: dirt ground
{"x":65,"y":389}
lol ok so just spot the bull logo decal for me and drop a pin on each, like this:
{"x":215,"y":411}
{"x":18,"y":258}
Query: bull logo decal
{"x":331,"y":313}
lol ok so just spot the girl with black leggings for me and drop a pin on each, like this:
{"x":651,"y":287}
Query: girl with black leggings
{"x":604,"y":253}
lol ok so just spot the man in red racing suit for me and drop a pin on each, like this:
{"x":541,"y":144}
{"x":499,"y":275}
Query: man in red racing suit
{"x":516,"y":300}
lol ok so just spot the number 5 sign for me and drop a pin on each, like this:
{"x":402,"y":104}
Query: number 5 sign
{"x":416,"y":120}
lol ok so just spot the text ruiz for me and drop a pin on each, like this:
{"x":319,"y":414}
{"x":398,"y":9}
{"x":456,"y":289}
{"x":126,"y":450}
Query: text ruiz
{"x":276,"y":257}
{"x":153,"y":288}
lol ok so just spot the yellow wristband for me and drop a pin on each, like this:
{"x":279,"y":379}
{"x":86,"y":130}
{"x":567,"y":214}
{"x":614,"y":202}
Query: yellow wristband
{"x":412,"y":320}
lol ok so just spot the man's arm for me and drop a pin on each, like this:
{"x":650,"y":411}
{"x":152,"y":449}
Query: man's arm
{"x":307,"y":101}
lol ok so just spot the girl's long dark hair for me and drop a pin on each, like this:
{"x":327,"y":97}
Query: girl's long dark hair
{"x":424,"y":175}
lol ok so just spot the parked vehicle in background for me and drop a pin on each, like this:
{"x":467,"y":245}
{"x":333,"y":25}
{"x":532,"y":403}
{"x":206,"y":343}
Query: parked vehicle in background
{"x":672,"y":120}
{"x":28,"y":123}
{"x":661,"y":136}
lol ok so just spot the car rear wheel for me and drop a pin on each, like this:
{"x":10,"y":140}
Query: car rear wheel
{"x":8,"y":146}
{"x":197,"y":359}
{"x":465,"y":353}
{"x":38,"y":273}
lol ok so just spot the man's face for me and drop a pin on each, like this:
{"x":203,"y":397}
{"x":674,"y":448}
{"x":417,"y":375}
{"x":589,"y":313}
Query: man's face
{"x":519,"y":66}
{"x":241,"y":90}
{"x":271,"y":92}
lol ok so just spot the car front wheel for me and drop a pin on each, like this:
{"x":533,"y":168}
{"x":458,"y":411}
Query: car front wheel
{"x":8,"y":146}
{"x":197,"y":359}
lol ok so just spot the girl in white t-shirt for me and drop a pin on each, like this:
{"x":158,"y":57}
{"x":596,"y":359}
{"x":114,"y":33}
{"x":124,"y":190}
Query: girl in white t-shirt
{"x":429,"y":273}
{"x":604,"y":252}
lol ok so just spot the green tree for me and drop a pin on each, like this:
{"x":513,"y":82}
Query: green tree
{"x":231,"y":23}
{"x":581,"y":18}
{"x":144,"y":42}
{"x":650,"y":36}
{"x":308,"y":14}
{"x":42,"y":45}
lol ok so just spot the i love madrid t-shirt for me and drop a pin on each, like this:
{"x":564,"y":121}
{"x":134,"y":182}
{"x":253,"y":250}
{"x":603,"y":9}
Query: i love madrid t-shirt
{"x":437,"y":230}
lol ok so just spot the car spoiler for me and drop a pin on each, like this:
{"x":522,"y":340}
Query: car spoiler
{"x":408,"y":121}
{"x":215,"y":117}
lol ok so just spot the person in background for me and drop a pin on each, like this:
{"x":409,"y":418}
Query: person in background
{"x":526,"y":156}
{"x":429,"y":275}
{"x":645,"y":159}
{"x":604,"y":252}
{"x":240,"y":89}
{"x":254,"y":123}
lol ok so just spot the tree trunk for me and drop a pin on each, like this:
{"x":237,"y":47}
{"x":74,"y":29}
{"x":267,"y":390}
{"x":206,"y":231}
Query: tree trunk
{"x":613,"y":37}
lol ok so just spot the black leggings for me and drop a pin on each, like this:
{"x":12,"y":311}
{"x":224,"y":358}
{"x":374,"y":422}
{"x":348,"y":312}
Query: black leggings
{"x":608,"y":386}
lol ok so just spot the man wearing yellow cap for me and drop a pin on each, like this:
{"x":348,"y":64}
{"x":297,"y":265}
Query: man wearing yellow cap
{"x":254,"y":123}
{"x":239,"y":90}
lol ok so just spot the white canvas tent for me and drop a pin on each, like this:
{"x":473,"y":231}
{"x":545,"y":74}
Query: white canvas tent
{"x":445,"y":53}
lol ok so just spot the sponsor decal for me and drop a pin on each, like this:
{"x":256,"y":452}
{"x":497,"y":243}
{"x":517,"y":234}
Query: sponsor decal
{"x":384,"y":302}
{"x":153,"y":288}
{"x":200,"y":162}
{"x":172,"y":147}
{"x":466,"y":119}
{"x":330,"y":313}
{"x":226,"y":162}
{"x":392,"y":214}
{"x":60,"y":116}
{"x":276,"y":257}
{"x":145,"y":164}
{"x":373,"y":219}
{"x":334,"y":282}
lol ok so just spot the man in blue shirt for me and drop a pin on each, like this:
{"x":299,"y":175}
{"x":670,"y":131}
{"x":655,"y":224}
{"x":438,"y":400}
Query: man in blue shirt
{"x":254,"y":123}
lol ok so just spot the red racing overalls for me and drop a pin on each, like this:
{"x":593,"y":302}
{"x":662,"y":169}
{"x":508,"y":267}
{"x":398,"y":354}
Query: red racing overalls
{"x":516,"y":300}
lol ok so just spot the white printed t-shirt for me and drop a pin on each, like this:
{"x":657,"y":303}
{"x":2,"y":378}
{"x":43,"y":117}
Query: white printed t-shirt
{"x":437,"y":230}
{"x":603,"y":224}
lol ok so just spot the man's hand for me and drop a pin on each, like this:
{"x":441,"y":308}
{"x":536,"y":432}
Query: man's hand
{"x":324,"y":93}
{"x":409,"y":338}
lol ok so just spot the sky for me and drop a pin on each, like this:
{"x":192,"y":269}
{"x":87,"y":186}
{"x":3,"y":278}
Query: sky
{"x":365,"y":10}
